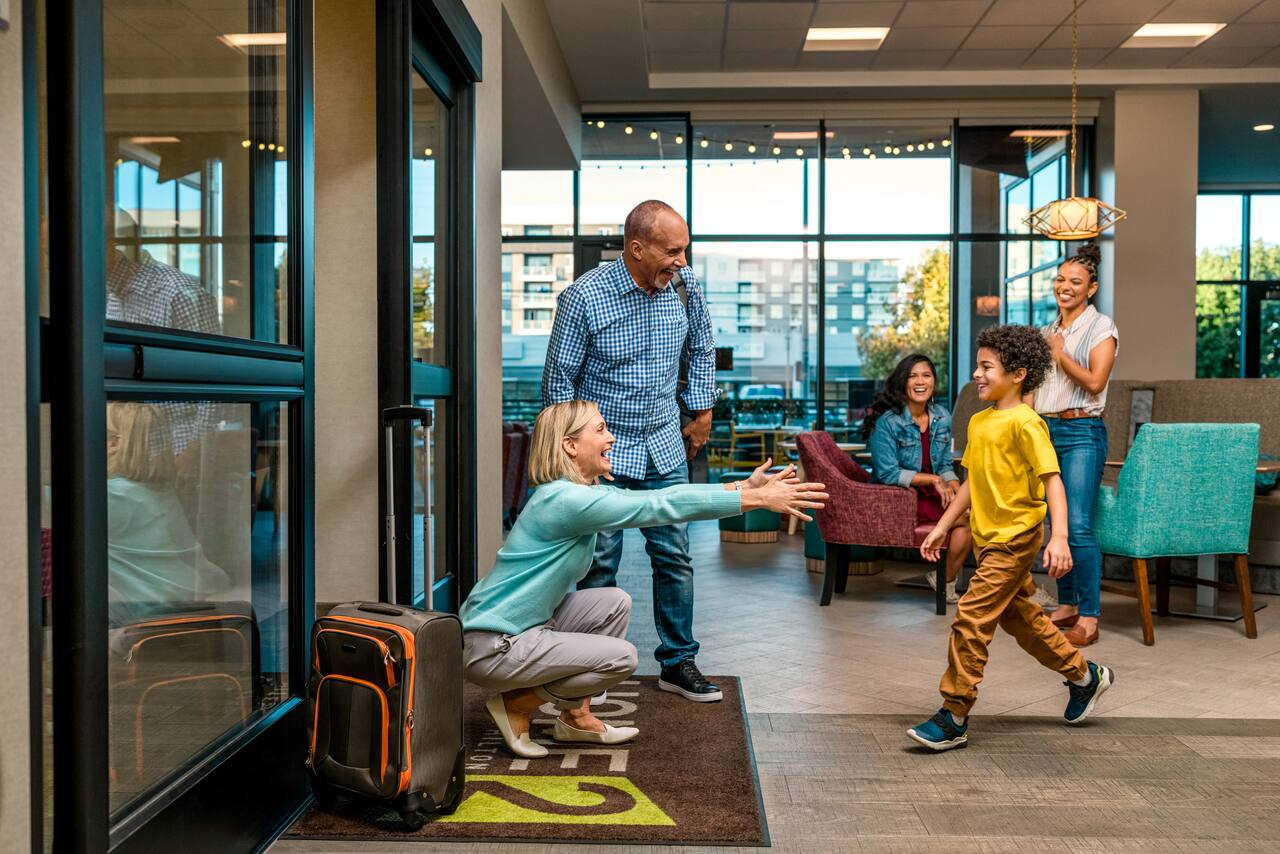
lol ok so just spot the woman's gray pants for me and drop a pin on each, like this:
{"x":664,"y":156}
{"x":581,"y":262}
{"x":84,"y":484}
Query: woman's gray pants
{"x":578,"y":653}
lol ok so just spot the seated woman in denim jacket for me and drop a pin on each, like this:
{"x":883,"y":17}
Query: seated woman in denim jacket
{"x":909,"y":437}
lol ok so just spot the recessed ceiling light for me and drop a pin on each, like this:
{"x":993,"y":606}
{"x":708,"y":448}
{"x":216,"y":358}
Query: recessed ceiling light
{"x":1266,"y":127}
{"x":1172,"y":35}
{"x":845,"y":38}
{"x":1039,"y":133}
{"x":800,"y":134}
{"x":243,"y":41}
{"x":152,"y":140}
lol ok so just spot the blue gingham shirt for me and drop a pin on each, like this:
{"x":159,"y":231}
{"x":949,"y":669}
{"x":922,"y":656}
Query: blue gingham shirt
{"x":617,"y":346}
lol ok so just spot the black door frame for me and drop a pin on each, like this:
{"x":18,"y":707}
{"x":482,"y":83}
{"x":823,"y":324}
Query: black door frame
{"x":438,"y":40}
{"x":242,"y":789}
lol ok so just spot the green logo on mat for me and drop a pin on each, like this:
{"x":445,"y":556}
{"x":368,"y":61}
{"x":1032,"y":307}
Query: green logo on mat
{"x":522,"y":799}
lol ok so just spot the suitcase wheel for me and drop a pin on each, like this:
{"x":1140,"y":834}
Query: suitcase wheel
{"x":413,"y":819}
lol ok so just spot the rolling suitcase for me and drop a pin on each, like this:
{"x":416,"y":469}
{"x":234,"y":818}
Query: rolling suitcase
{"x":385,"y":697}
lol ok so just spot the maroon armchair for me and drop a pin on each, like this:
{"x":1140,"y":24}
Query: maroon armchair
{"x":859,"y":513}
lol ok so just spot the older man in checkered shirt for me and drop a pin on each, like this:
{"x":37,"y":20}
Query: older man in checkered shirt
{"x":620,"y":337}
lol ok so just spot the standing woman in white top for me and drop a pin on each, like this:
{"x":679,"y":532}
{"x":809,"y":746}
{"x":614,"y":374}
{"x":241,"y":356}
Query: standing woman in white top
{"x":1071,"y":400}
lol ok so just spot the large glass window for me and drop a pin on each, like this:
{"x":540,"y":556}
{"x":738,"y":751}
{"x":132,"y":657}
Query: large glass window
{"x":736,"y":166}
{"x":197,"y":208}
{"x":429,"y":235}
{"x":888,"y":179}
{"x":625,"y":162}
{"x":1237,"y":264}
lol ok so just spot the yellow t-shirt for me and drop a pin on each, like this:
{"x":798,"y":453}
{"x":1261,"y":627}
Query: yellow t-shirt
{"x":1008,"y":452}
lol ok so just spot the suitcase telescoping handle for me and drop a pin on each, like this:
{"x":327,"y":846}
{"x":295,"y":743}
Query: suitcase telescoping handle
{"x":389,"y":418}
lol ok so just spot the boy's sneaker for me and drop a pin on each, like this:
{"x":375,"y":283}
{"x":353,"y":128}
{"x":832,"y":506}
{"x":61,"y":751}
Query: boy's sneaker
{"x":941,"y":732}
{"x":1082,"y":700}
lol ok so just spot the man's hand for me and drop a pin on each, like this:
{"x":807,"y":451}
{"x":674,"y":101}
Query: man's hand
{"x":696,"y":433}
{"x":1057,"y":556}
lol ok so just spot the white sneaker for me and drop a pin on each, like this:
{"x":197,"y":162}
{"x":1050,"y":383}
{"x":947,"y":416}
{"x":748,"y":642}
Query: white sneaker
{"x":600,"y":699}
{"x":611,"y":734}
{"x":952,"y":596}
{"x":1044,"y":598}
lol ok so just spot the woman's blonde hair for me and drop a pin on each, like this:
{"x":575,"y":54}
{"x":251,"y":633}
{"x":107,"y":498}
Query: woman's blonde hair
{"x":547,"y":459}
{"x":142,"y":444}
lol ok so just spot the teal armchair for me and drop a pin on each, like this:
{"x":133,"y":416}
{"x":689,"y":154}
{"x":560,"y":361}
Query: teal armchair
{"x":1184,"y":490}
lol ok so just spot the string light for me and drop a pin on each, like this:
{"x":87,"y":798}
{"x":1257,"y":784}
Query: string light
{"x":929,"y":145}
{"x":799,"y":152}
{"x":728,"y":146}
{"x":262,"y":146}
{"x":866,"y":151}
{"x":653,"y":134}
{"x":704,"y":143}
{"x":845,"y":151}
{"x":751,"y":149}
{"x":897,"y":150}
{"x":600,"y":124}
{"x":271,"y":146}
{"x":776,"y":151}
{"x":910,"y":148}
{"x":888,"y":149}
{"x":946,"y":143}
{"x":871,"y":156}
{"x":244,"y":143}
{"x":679,"y":139}
{"x":426,"y":152}
{"x":628,"y":130}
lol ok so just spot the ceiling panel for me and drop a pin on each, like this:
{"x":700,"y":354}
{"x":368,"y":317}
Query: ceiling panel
{"x":1118,"y":11}
{"x":679,"y":16}
{"x":1006,"y":38}
{"x":684,"y":60}
{"x":1220,"y":57}
{"x":874,"y":14}
{"x":942,"y":13}
{"x":919,"y":59}
{"x":988,"y":58}
{"x":847,"y":60}
{"x":1201,"y":11}
{"x":925,"y":38}
{"x":1267,"y":11}
{"x":673,"y":40}
{"x":772,"y":40}
{"x":748,"y":60}
{"x":1029,"y":12}
{"x":1097,"y":35}
{"x":1059,"y":58}
{"x":1270,"y":59}
{"x":768,"y":16}
{"x":1247,"y":35}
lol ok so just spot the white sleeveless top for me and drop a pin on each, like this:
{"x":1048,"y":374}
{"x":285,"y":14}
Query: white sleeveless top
{"x":1059,"y":392}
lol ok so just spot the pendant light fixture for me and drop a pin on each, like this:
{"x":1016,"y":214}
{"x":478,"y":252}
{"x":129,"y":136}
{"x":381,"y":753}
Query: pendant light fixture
{"x":1075,"y":217}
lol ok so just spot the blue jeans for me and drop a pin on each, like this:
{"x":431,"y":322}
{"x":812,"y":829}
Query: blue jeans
{"x":668,"y":548}
{"x":1081,"y":444}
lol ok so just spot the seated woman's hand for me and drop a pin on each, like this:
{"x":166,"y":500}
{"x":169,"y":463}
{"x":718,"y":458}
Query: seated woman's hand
{"x":784,"y":493}
{"x":947,"y":490}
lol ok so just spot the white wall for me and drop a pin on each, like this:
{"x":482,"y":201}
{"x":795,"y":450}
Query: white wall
{"x":15,"y":755}
{"x":488,"y":17}
{"x":1153,"y":287}
{"x":346,"y":303}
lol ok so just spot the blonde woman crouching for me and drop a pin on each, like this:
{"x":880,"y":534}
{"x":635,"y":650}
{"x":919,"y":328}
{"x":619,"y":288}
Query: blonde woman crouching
{"x":532,"y":643}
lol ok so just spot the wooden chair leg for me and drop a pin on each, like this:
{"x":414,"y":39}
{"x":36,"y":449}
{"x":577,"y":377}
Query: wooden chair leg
{"x":1144,"y":601}
{"x":842,"y":580}
{"x":830,"y":570}
{"x":940,"y":593}
{"x":1162,"y":585}
{"x":1246,"y":596}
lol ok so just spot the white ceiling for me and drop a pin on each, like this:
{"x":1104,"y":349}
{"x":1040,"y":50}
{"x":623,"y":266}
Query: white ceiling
{"x":708,"y":41}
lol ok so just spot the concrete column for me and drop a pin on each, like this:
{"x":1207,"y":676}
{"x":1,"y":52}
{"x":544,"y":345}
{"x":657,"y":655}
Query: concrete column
{"x":488,"y":429}
{"x":346,"y":302}
{"x":1151,"y":289}
{"x":15,"y":708}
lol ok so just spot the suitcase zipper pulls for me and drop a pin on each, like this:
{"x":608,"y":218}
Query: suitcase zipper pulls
{"x":410,"y":721}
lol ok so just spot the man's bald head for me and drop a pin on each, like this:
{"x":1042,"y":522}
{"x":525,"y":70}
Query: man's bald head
{"x":643,"y":220}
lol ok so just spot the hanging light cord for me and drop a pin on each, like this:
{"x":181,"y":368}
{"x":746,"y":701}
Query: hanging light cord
{"x":1075,"y":55}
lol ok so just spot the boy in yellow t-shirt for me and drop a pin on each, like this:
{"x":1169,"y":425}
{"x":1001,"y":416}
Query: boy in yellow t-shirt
{"x":1012,"y":468}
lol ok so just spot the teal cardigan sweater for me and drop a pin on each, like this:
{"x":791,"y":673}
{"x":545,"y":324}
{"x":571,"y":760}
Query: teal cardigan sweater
{"x":549,"y":548}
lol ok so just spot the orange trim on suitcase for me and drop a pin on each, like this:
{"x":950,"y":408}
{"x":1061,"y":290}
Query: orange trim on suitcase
{"x":387,"y":657}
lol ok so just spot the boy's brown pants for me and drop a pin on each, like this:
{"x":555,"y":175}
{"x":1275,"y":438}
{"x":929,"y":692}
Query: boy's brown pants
{"x":1000,"y":594}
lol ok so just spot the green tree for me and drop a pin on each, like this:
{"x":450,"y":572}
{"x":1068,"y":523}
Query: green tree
{"x":1218,"y":309}
{"x":423,"y":313}
{"x":920,"y":322}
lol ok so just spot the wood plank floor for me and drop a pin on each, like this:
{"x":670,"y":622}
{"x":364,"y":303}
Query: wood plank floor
{"x":1181,"y":758}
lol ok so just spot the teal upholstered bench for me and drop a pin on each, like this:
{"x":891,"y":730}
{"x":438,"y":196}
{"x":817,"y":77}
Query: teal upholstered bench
{"x":754,"y":526}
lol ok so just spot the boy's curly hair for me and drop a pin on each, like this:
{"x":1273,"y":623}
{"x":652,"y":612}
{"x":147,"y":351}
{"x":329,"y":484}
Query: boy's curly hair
{"x":1019,"y":347}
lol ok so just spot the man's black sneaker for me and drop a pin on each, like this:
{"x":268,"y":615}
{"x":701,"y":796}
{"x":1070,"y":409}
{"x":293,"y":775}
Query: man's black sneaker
{"x":687,"y":680}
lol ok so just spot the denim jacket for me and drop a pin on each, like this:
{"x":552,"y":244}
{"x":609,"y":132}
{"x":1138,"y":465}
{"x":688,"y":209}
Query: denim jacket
{"x":896,"y":454}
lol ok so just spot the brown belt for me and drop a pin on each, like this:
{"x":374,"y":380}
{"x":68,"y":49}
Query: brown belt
{"x":1068,"y":414}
